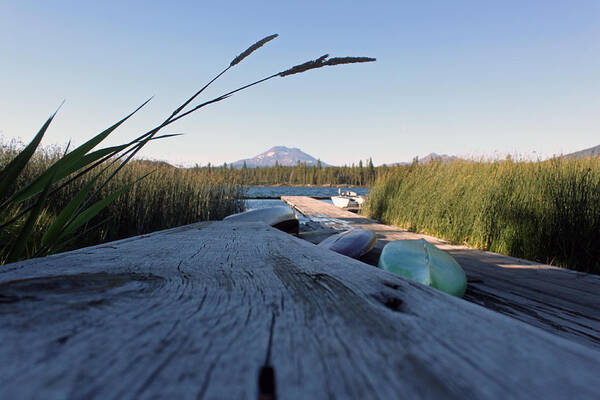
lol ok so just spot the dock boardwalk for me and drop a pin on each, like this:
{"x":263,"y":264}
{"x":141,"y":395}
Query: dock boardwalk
{"x":563,"y":302}
{"x":243,"y":311}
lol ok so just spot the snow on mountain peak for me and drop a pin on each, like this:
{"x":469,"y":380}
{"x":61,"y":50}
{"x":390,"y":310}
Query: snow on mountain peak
{"x":281,"y":155}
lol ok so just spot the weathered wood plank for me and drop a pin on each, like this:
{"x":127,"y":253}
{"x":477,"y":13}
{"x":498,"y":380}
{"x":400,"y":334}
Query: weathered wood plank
{"x":563,"y":302}
{"x":202,"y":311}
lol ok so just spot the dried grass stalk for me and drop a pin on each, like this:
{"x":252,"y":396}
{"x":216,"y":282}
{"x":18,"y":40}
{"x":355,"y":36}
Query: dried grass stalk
{"x":348,"y":60}
{"x":322,"y":61}
{"x":252,"y":49}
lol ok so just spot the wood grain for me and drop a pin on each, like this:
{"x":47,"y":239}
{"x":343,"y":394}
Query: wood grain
{"x":243,"y":311}
{"x":560,"y":301}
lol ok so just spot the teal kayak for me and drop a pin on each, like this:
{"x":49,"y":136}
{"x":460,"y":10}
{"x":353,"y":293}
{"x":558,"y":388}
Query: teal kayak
{"x":423,"y":262}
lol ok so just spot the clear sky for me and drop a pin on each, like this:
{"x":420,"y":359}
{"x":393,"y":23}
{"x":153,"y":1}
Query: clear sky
{"x":457,"y":77}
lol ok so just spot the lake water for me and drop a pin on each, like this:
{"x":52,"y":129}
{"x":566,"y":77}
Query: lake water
{"x":277,"y":191}
{"x":311,"y":191}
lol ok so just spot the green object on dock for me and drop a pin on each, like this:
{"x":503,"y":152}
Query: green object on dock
{"x":423,"y":262}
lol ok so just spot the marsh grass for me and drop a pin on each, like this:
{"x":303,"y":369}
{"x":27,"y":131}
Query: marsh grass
{"x":166,"y":198}
{"x":544,"y":211}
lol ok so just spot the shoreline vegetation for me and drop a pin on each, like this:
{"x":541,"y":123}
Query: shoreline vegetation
{"x":545,"y":211}
{"x":167,"y":197}
{"x":299,"y":175}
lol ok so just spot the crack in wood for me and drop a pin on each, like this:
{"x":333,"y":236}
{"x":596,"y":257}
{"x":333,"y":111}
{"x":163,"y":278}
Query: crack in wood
{"x":326,"y":296}
{"x":270,"y":344}
{"x":70,"y":284}
{"x":391,"y":285}
{"x":394,"y":304}
{"x":518,"y":311}
{"x":266,"y":374}
{"x":63,"y":339}
{"x":4,"y":298}
{"x":266,"y":383}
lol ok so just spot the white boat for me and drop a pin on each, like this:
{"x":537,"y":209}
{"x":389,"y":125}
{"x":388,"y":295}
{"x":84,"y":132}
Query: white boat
{"x":347,"y":199}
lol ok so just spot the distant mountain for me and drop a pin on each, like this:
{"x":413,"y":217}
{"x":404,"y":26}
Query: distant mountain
{"x":152,"y":163}
{"x":434,"y":157}
{"x":430,"y":157}
{"x":285,"y":156}
{"x":587,"y":153}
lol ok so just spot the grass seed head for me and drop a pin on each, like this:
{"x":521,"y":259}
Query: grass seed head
{"x":252,"y":49}
{"x":323,"y":61}
{"x":348,"y":60}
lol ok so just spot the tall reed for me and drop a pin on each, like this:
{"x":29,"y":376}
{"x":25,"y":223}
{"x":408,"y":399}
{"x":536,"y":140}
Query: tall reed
{"x":545,"y":211}
{"x":166,"y":198}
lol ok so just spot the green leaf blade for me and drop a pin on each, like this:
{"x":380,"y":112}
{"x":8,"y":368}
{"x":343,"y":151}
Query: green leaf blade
{"x":67,"y":164}
{"x":93,"y":210}
{"x":11,"y":172}
{"x":54,"y":231}
{"x":21,"y":241}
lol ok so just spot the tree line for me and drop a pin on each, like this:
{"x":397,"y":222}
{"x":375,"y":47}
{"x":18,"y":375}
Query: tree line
{"x":361,"y":174}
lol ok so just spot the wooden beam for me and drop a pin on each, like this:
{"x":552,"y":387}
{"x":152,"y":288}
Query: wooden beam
{"x":226,"y":310}
{"x":560,"y":301}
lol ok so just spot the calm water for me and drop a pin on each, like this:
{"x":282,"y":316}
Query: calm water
{"x":276,"y":191}
{"x":271,"y":191}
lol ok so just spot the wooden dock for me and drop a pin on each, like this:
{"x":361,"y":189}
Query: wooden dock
{"x":563,"y":302}
{"x":243,"y":311}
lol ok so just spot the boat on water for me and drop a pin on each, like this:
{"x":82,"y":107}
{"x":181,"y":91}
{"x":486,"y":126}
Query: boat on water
{"x":280,"y":217}
{"x":348,"y":200}
{"x":353,"y":243}
{"x":423,"y":262}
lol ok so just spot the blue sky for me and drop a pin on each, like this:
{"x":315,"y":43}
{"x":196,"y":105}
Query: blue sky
{"x":470,"y":78}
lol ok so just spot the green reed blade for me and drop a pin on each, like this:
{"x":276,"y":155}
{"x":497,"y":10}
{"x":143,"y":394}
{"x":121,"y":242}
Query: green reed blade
{"x":9,"y":174}
{"x":95,"y":208}
{"x":54,"y":231}
{"x":23,"y":238}
{"x":65,"y":165}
